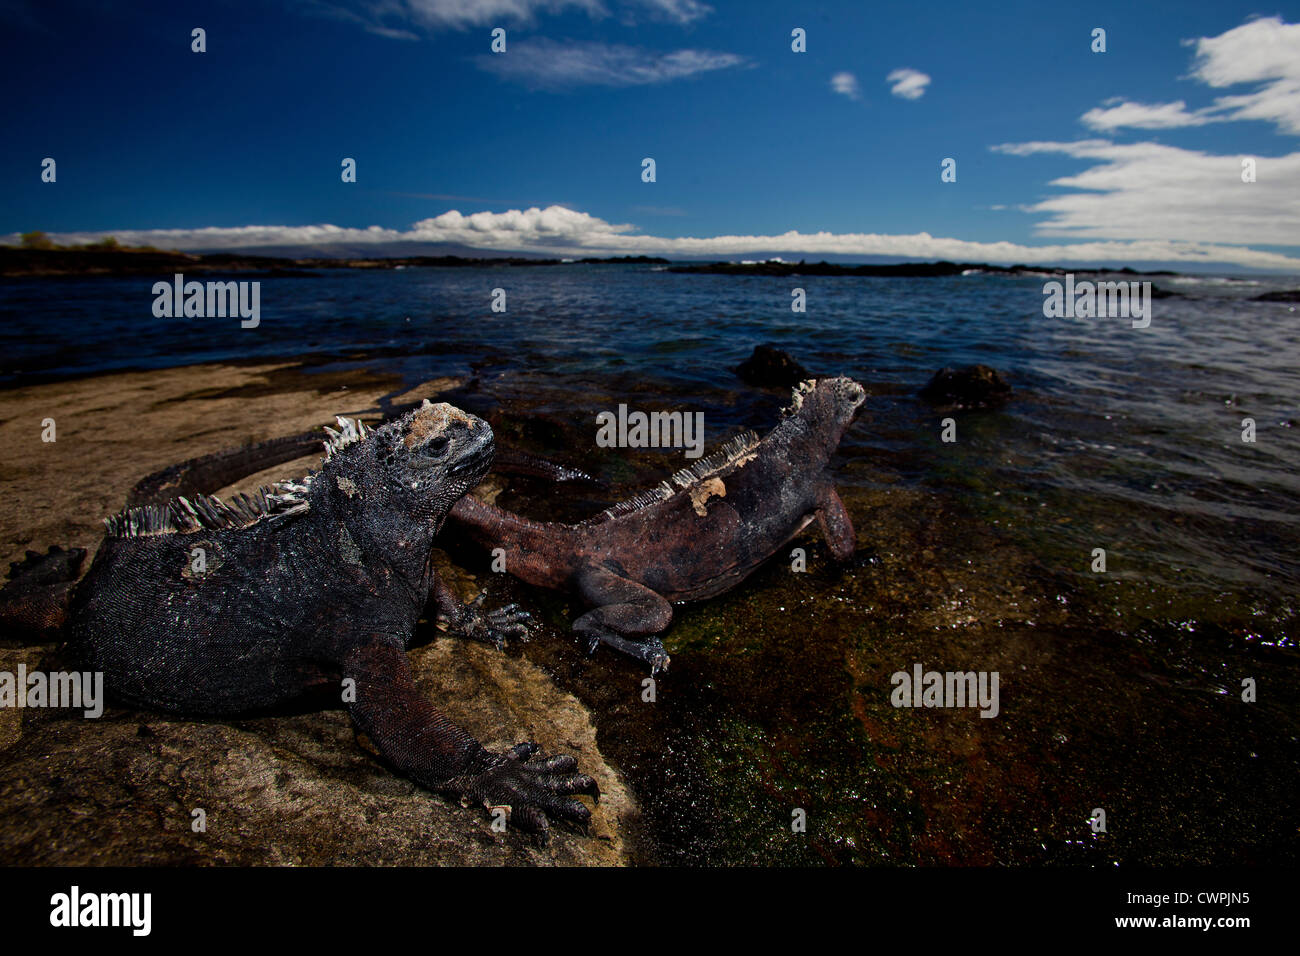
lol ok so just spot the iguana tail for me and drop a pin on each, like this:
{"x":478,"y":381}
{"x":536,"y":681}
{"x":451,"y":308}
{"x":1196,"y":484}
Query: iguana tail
{"x":541,"y":553}
{"x":511,"y":461}
{"x":34,"y":604}
{"x":208,"y":473}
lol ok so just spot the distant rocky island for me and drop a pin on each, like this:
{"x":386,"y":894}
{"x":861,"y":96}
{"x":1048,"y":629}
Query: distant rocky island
{"x":19,"y":262}
{"x":909,"y":270}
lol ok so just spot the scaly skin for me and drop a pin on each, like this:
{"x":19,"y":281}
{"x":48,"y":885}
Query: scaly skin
{"x":698,"y":541}
{"x":322,"y":586}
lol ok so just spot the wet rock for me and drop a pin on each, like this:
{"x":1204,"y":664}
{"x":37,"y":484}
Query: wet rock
{"x":290,"y":790}
{"x":1285,"y":295}
{"x":975,"y":386}
{"x":771,"y":367}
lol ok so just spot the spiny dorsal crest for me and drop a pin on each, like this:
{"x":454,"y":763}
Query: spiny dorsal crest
{"x":351,"y":431}
{"x":797,"y":396}
{"x":209,"y":513}
{"x":738,"y":448}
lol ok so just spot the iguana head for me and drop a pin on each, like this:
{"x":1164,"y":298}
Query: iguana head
{"x":412,"y":468}
{"x":826,"y":408}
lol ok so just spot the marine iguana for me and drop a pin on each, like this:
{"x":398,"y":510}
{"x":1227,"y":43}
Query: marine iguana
{"x":639,"y":555}
{"x":205,"y":607}
{"x":694,"y":536}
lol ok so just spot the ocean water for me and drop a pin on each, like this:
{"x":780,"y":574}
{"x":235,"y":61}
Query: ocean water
{"x":1121,"y":688}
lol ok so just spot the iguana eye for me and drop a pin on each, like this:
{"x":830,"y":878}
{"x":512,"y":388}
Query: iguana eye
{"x":435,"y":447}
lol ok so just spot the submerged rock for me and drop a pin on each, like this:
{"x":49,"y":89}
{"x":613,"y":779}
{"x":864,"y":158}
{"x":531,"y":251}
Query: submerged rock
{"x":974,"y":386}
{"x":771,"y":367}
{"x":1285,"y":295}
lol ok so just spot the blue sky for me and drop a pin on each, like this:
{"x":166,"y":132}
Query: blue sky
{"x":540,"y":148}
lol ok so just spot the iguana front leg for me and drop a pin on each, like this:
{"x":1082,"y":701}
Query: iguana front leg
{"x":34,"y":604}
{"x":837,"y":528}
{"x":423,"y":744}
{"x":624,"y":609}
{"x":471,"y":621}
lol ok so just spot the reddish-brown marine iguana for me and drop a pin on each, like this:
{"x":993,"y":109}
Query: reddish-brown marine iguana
{"x":694,"y":536}
{"x":204,"y":607}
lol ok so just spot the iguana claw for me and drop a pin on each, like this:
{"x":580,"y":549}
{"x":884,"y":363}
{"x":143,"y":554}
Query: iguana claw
{"x":533,"y":790}
{"x":651,"y":650}
{"x":493,"y":627}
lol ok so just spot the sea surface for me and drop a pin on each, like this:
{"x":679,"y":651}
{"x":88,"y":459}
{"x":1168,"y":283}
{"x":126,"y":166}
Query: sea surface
{"x":1120,"y":690}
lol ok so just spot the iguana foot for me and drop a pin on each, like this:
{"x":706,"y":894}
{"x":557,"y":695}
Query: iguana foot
{"x":34,"y":602}
{"x":54,"y":567}
{"x":493,"y":627}
{"x":650,"y":651}
{"x":532,"y":789}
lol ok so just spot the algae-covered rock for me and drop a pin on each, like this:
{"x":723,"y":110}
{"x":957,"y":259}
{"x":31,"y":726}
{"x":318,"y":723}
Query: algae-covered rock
{"x":975,"y":386}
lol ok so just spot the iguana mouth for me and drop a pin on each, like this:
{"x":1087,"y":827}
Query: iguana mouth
{"x":854,"y":393}
{"x":845,"y":389}
{"x":476,"y":460}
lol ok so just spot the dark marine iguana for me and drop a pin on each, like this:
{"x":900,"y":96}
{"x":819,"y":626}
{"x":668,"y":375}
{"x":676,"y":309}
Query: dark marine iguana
{"x":694,"y":536}
{"x":205,"y":607}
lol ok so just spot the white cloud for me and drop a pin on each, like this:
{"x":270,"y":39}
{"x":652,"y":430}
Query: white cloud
{"x":1151,"y":191}
{"x":393,"y":18}
{"x":1154,"y":191}
{"x":908,"y":83}
{"x":547,"y":64}
{"x":846,"y":84}
{"x":557,"y":230}
{"x":1264,"y":51}
{"x":674,"y":11}
{"x":1142,"y":116}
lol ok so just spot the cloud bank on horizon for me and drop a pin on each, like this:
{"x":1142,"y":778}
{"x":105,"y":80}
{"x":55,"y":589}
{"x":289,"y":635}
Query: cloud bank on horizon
{"x":558,"y":230}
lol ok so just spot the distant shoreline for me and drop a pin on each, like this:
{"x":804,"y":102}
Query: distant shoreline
{"x":37,"y":263}
{"x":900,"y":270}
{"x":54,"y":263}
